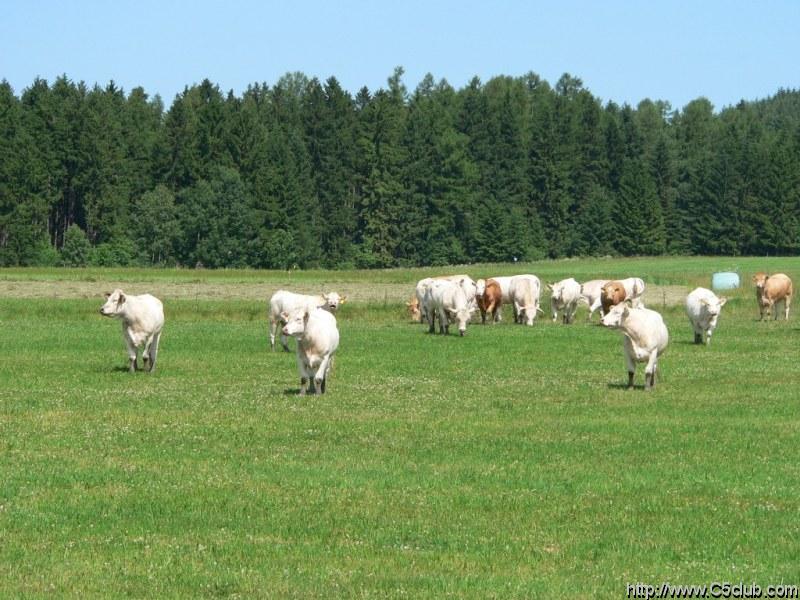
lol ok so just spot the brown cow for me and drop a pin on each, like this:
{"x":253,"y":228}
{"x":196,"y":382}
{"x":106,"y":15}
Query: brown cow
{"x":490,"y":301}
{"x":772,"y":290}
{"x":613,"y":293}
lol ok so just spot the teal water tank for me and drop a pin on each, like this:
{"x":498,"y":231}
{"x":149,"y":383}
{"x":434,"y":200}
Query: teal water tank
{"x":724,"y":281}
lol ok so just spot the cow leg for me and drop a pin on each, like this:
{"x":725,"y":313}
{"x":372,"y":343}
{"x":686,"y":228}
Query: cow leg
{"x":320,"y":376}
{"x":432,"y":322}
{"x":133,"y":365}
{"x":443,"y":322}
{"x":273,"y":326}
{"x":786,"y":302}
{"x":698,"y":338}
{"x":304,"y":375}
{"x":483,"y":317}
{"x":631,"y":366}
{"x":650,"y":370}
{"x":150,"y":352}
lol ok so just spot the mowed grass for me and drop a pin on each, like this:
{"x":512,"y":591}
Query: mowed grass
{"x":508,"y":463}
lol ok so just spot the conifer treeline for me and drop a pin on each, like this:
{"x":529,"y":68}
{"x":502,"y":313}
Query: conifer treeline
{"x":303,"y":174}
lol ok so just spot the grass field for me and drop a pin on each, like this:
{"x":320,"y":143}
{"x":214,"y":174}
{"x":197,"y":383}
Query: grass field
{"x":510,"y":463}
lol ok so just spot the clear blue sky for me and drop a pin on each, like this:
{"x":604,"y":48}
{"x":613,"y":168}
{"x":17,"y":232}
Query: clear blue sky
{"x":623,"y":51}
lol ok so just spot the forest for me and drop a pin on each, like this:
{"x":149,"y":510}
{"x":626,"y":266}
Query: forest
{"x":303,"y":174}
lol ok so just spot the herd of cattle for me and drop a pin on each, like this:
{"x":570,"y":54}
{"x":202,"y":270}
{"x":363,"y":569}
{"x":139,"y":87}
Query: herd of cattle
{"x":310,"y":319}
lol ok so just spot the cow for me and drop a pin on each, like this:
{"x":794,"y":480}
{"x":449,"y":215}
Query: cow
{"x":703,"y":308}
{"x":317,"y":339}
{"x":414,"y":310}
{"x":464,"y":281}
{"x":613,"y":293}
{"x":590,"y":292}
{"x":504,"y":282}
{"x":142,"y":321}
{"x":286,"y":302}
{"x":645,"y":338}
{"x":446,"y":300}
{"x":772,"y":290}
{"x":490,"y":299}
{"x":524,"y":291}
{"x":564,"y":296}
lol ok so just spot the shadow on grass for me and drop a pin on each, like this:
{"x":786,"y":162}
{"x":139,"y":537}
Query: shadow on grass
{"x":624,"y":386}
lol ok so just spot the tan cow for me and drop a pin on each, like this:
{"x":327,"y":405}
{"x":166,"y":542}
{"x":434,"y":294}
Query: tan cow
{"x":771,"y":290}
{"x":414,"y":311}
{"x":613,"y":293}
{"x":491,"y":300}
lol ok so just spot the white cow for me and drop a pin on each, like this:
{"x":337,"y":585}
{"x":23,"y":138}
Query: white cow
{"x":565,"y":296}
{"x":591,"y":292}
{"x":703,"y":308}
{"x":317,"y":339}
{"x":286,"y":302}
{"x":446,"y":300}
{"x":465,"y":282}
{"x":142,"y":321}
{"x":645,"y":338}
{"x":524,"y":292}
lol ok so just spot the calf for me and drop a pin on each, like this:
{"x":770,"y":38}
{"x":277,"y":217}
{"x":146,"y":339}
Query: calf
{"x":142,"y":320}
{"x":490,"y":299}
{"x":524,"y":292}
{"x":286,"y":302}
{"x":613,"y":293}
{"x":317,"y":339}
{"x":446,"y":300}
{"x":564,"y":297}
{"x":772,"y":290}
{"x":645,"y":338}
{"x":703,"y":308}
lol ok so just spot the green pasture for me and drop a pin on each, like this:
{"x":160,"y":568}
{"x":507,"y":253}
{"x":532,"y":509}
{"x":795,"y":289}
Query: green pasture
{"x":510,"y":463}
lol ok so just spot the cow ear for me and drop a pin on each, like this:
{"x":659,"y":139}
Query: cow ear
{"x":285,"y":315}
{"x":704,"y":301}
{"x":121,"y":298}
{"x":343,"y":299}
{"x":722,"y":301}
{"x":549,"y":286}
{"x":107,"y":294}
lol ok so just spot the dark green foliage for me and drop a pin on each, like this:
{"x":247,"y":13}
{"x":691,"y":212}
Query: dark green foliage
{"x":76,"y":249}
{"x":302,"y":175}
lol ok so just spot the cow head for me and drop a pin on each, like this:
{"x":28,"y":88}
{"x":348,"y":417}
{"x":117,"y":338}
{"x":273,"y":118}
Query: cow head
{"x":556,"y":292}
{"x":760,"y":279}
{"x":413,"y":309}
{"x":295,"y":321}
{"x":332,"y":301}
{"x":713,"y":309}
{"x":615,"y":317}
{"x":480,"y":287}
{"x":115,"y":304}
{"x":462,"y":316}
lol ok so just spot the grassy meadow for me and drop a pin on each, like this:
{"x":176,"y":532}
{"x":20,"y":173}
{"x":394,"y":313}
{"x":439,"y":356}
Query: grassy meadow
{"x":510,"y":463}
